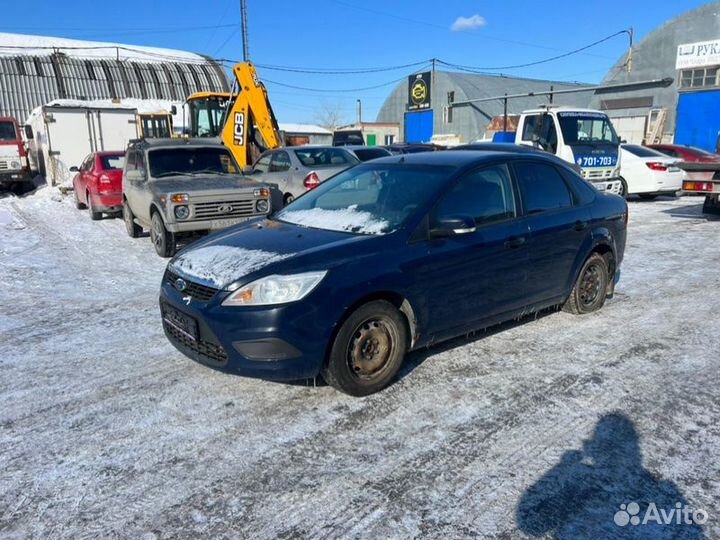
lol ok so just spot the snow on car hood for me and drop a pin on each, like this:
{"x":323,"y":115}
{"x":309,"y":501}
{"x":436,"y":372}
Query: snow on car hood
{"x":221,"y":264}
{"x":344,"y":220}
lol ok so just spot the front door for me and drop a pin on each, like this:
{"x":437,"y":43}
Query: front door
{"x":466,"y":278}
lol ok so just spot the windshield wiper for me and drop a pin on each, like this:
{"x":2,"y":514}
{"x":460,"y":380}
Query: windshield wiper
{"x":208,"y":171}
{"x":170,"y":173}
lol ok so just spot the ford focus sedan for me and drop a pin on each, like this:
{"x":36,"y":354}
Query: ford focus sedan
{"x":389,"y":256}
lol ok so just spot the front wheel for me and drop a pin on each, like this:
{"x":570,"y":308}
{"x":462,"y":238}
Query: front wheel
{"x":163,"y":240}
{"x":368,"y":349}
{"x":590,"y":290}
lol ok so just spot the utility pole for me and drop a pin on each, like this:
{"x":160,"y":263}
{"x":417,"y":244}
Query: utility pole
{"x":243,"y":22}
{"x":631,"y":33}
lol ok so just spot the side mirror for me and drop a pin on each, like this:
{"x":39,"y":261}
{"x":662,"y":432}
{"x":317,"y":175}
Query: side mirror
{"x":447,"y":226}
{"x":173,"y":110}
{"x":623,"y":141}
{"x":135,"y":176}
{"x":28,"y":131}
{"x":74,"y":169}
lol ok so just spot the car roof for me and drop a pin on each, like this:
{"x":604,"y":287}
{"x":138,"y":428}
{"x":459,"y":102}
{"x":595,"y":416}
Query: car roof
{"x":462,"y":158}
{"x":161,"y":143}
{"x":498,"y":147}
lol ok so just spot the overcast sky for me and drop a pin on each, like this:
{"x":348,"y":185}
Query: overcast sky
{"x":350,"y":34}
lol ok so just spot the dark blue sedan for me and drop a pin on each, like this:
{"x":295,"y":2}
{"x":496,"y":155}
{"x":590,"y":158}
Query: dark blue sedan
{"x":389,"y":256}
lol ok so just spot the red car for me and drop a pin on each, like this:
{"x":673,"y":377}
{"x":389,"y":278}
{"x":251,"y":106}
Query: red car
{"x":98,"y":183}
{"x":689,"y":154}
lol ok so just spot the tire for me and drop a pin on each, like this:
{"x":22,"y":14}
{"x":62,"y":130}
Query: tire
{"x":133,"y":229}
{"x":712,"y":205}
{"x":623,"y":189}
{"x":78,"y":204}
{"x":648,"y":196}
{"x":288,"y":198}
{"x":590,"y":290}
{"x":163,"y":241}
{"x":368,"y":349}
{"x":94,"y":215}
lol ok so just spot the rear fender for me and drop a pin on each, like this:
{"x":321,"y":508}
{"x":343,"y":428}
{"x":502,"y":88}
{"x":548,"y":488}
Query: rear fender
{"x":600,"y":240}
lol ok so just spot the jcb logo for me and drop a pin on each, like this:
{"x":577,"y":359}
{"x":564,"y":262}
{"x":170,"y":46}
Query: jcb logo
{"x":239,"y":130}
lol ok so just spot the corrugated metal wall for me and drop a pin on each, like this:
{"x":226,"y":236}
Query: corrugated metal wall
{"x":27,"y":82}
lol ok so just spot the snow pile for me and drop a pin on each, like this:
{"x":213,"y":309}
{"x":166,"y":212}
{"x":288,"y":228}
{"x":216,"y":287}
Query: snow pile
{"x":221,"y":265}
{"x":344,"y":219}
{"x":21,"y":44}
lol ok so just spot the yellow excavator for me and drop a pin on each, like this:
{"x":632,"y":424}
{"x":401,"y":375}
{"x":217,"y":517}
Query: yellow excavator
{"x":243,"y":119}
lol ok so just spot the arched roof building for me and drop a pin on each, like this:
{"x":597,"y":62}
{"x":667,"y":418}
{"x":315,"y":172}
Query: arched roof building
{"x":35,"y":70}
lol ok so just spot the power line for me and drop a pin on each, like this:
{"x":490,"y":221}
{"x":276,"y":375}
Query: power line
{"x":129,"y":32}
{"x":394,"y":81}
{"x":340,"y":71}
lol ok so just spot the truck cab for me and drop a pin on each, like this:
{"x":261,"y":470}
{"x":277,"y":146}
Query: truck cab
{"x":584,"y":137}
{"x":14,"y":168}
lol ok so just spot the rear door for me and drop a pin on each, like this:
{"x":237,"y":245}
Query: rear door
{"x":470,"y":277}
{"x":558,"y":226}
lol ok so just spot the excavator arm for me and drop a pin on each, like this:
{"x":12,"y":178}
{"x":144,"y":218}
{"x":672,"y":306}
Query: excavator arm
{"x":250,"y":117}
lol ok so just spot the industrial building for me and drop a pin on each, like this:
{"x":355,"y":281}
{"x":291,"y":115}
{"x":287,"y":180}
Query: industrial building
{"x":422,"y":104}
{"x":36,"y":70}
{"x":686,"y":49}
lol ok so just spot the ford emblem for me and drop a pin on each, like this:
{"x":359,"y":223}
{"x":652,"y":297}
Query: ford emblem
{"x":225,"y":209}
{"x":180,"y":284}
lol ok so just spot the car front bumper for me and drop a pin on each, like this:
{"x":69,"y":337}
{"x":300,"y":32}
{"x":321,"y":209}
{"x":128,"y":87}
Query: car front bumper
{"x":7,"y":178}
{"x":286,"y":342}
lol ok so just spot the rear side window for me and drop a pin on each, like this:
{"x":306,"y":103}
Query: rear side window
{"x":485,"y":195}
{"x":263,"y":164}
{"x":642,"y":151}
{"x":325,"y":157}
{"x":7,"y":131}
{"x":542,"y":187}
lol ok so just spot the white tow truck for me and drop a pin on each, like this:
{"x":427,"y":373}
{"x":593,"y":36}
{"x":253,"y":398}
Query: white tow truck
{"x":584,"y":137}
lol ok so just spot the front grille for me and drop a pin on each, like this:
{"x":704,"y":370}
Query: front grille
{"x":207,"y":352}
{"x":4,"y":166}
{"x":197,"y":291}
{"x":204,"y":210}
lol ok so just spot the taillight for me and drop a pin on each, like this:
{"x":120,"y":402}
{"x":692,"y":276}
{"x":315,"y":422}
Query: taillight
{"x":311,"y":181}
{"x":697,"y":186}
{"x":657,"y":166}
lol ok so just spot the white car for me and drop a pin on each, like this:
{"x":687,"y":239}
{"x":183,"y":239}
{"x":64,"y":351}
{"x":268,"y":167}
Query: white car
{"x":649,"y":173}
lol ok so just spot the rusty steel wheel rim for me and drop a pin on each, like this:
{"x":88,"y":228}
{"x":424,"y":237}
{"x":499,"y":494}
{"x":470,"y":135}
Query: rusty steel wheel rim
{"x":370,"y":348}
{"x":590,"y":285}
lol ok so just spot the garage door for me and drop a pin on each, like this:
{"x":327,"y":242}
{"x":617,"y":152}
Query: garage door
{"x":698,"y":119}
{"x":630,"y":128}
{"x":418,"y":127}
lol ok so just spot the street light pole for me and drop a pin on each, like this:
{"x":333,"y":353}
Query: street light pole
{"x":243,"y":22}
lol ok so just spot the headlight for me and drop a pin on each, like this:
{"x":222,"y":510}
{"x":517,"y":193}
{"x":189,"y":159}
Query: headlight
{"x":15,"y":165}
{"x":182,"y":212}
{"x":275,"y":289}
{"x":262,"y":205}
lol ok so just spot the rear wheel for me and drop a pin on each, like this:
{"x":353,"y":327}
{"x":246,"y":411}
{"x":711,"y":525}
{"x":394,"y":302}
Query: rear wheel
{"x":591,"y":287}
{"x":163,"y":240}
{"x":94,"y":214}
{"x":132,"y":228}
{"x":288,"y":198}
{"x":623,"y":188}
{"x":368,"y":349}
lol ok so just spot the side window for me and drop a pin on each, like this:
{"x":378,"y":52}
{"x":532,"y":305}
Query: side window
{"x":531,"y":123}
{"x":263,"y":164}
{"x":85,"y":167}
{"x":130,"y":161}
{"x":280,"y":162}
{"x":549,"y":134}
{"x":140,"y":162}
{"x":583,"y":192}
{"x":485,"y":195}
{"x":542,"y":187}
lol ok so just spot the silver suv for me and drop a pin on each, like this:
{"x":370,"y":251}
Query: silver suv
{"x":186,"y":186}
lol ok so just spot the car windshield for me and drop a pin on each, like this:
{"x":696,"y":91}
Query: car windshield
{"x":112,"y":162}
{"x":587,"y":128}
{"x":367,"y":199}
{"x":642,"y":151}
{"x":702,"y":152}
{"x":366,"y":154}
{"x":7,"y":131}
{"x":325,"y":157}
{"x":189,"y":161}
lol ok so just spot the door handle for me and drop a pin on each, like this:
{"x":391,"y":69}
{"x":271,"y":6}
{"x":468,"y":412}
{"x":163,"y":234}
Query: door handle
{"x":580,"y":225}
{"x":514,"y":242}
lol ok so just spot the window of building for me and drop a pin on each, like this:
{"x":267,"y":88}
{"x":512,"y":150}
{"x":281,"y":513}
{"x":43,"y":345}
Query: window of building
{"x":699,"y":78}
{"x":389,"y":139}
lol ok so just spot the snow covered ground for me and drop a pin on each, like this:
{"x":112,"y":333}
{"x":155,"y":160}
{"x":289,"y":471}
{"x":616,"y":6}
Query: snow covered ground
{"x":534,"y":430}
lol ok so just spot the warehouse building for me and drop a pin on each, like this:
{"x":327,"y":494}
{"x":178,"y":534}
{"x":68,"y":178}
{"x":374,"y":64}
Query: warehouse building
{"x":422,"y":104}
{"x":36,"y":70}
{"x":686,"y":49}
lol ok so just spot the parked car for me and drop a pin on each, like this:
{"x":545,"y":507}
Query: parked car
{"x":649,"y":173}
{"x":14,"y":169}
{"x":416,"y":148}
{"x":296,"y":170}
{"x":98,"y":183}
{"x":498,"y":147}
{"x":689,"y":154}
{"x":176,"y":187}
{"x":388,"y":257}
{"x":345,"y":137}
{"x":368,"y":153}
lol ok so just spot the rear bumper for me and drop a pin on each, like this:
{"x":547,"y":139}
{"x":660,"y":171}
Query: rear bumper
{"x":107,"y":202}
{"x":275,"y":343}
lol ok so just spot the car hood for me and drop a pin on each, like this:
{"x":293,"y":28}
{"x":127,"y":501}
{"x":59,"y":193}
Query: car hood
{"x":263,"y":247}
{"x":205,"y":182}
